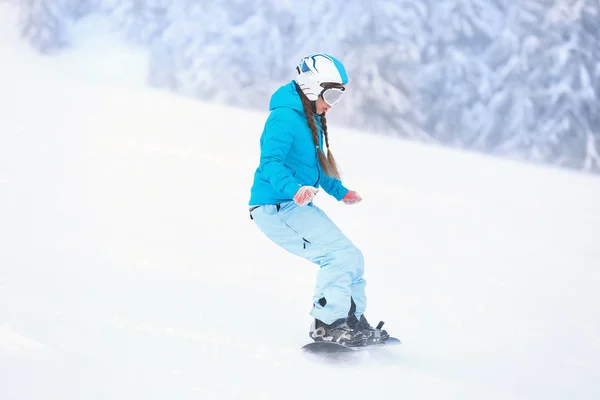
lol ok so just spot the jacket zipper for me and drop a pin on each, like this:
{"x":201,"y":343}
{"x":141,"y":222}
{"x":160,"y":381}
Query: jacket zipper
{"x":317,"y":156}
{"x":318,"y":168}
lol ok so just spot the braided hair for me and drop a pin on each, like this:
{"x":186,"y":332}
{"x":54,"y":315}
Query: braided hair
{"x":327,"y":162}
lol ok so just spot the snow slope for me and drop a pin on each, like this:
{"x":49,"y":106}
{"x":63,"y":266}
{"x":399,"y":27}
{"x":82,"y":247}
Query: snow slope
{"x":129,"y":268}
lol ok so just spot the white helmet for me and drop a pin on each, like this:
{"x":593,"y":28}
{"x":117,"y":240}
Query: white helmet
{"x":316,"y":69}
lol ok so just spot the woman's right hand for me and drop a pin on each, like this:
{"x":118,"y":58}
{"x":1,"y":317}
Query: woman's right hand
{"x":305,"y":195}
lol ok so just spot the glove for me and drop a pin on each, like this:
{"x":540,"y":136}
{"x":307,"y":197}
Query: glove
{"x":305,"y":195}
{"x":351,"y":197}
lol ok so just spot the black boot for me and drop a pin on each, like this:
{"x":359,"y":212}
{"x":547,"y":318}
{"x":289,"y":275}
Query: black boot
{"x":373,"y":335}
{"x":338,"y":331}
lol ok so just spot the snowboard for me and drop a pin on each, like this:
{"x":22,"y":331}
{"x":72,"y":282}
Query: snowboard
{"x":336,"y":348}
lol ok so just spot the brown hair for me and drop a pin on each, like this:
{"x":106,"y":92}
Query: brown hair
{"x":327,"y":162}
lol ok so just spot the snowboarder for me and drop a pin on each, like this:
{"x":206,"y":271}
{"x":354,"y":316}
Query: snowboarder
{"x":293,"y":167}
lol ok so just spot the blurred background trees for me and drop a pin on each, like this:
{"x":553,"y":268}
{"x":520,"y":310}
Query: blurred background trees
{"x":516,"y":79}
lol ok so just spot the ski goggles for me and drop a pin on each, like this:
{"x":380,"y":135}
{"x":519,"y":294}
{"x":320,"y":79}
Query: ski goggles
{"x":332,"y":95}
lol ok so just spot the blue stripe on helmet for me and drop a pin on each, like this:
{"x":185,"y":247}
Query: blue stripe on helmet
{"x":304,"y":67}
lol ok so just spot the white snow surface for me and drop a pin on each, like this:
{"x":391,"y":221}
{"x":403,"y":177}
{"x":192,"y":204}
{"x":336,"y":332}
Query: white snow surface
{"x":129,"y":268}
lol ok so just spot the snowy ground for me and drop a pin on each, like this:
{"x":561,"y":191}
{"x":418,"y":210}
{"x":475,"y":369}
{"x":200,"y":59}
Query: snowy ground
{"x":129,"y":268}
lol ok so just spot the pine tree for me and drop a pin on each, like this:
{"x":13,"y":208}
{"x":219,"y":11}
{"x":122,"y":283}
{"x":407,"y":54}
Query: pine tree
{"x":226,"y":51}
{"x":42,"y":24}
{"x":381,"y":49}
{"x":590,"y":36}
{"x":194,"y":37}
{"x":554,"y":80}
{"x":141,"y":21}
{"x":510,"y":102}
{"x":77,"y":9}
{"x":454,"y":82}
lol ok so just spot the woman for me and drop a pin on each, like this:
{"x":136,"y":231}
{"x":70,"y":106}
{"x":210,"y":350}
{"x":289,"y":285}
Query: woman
{"x":293,"y":167}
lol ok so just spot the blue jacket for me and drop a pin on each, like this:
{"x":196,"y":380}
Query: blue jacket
{"x":288,"y":156}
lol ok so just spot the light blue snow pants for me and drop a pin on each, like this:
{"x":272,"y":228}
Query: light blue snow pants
{"x":307,"y":231}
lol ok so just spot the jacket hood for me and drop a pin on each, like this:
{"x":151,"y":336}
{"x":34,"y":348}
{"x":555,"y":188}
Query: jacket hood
{"x":286,"y":96}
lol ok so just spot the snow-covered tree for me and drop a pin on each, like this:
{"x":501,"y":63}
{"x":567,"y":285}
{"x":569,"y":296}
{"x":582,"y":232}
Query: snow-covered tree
{"x":77,"y":9}
{"x":141,"y":21}
{"x":42,"y":24}
{"x":510,"y":104}
{"x":454,"y":83}
{"x":381,"y":48}
{"x":513,"y":78}
{"x":553,"y":83}
{"x":194,"y":37}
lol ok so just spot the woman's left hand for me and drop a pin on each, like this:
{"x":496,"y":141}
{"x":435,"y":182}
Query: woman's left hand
{"x":351,"y":197}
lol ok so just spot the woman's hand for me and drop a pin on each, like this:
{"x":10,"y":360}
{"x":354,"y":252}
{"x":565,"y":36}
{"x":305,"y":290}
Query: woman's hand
{"x":305,"y":195}
{"x":351,"y":197}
